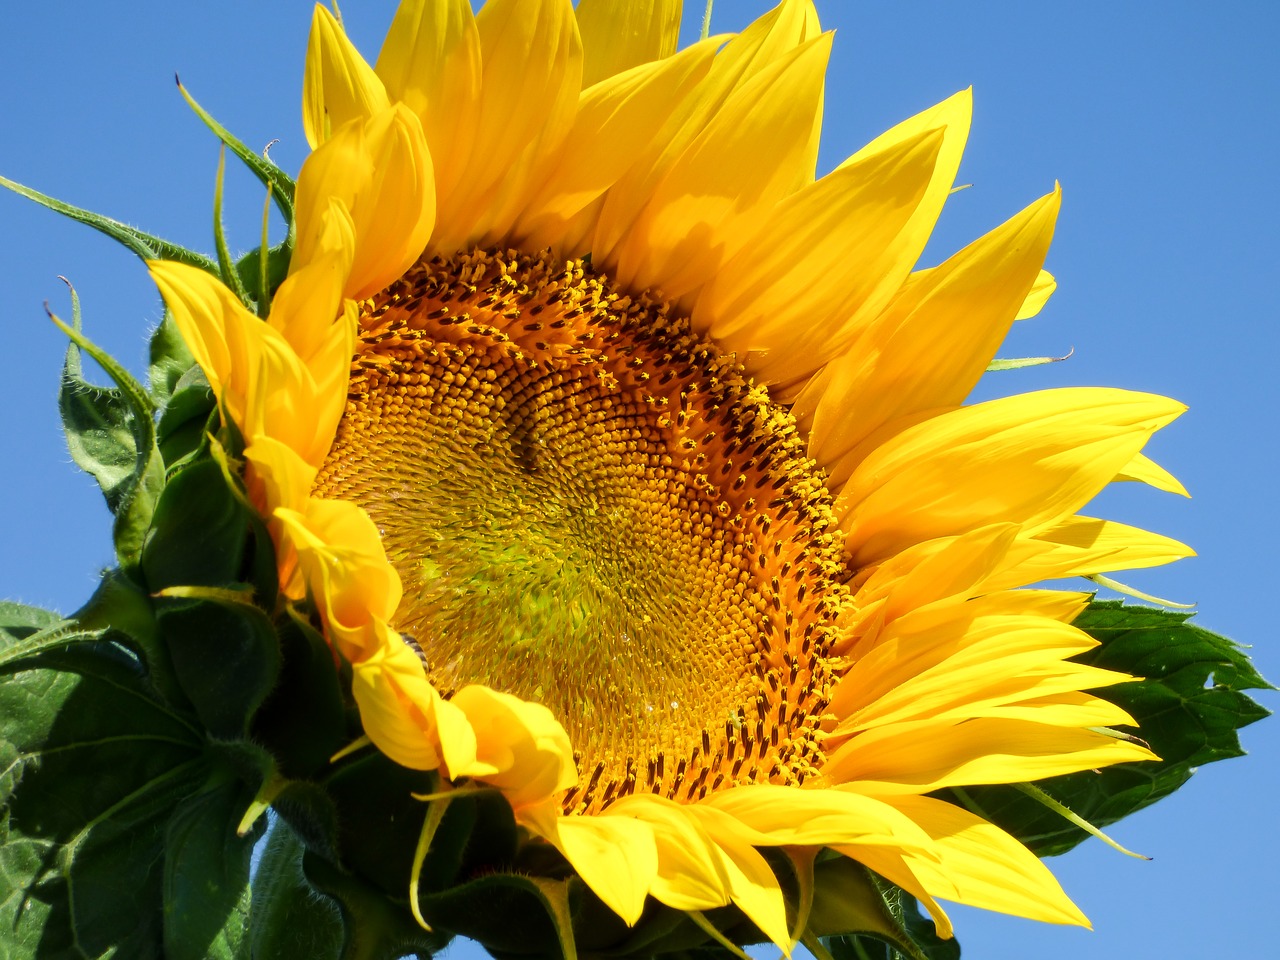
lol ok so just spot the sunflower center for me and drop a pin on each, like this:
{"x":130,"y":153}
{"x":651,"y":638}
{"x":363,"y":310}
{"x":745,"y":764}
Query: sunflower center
{"x":593,"y":509}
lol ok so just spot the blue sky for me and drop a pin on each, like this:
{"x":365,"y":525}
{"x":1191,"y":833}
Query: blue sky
{"x":1158,"y":121}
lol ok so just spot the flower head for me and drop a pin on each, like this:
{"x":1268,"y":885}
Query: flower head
{"x":628,"y":466}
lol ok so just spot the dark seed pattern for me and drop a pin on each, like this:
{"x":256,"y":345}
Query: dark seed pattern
{"x":569,"y":483}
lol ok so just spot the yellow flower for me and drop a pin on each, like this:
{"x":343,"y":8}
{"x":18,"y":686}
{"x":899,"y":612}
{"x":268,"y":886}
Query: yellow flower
{"x":627,"y":463}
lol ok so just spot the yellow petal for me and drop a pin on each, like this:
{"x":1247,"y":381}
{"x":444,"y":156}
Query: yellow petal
{"x":825,"y":251}
{"x":403,"y":714}
{"x":337,"y":85}
{"x":430,"y":61}
{"x":1032,"y":459}
{"x":260,"y":381}
{"x":935,"y":569}
{"x":620,"y":34}
{"x":923,"y":757}
{"x":1040,"y":293}
{"x":994,"y":662}
{"x":982,"y":866}
{"x":380,"y":170}
{"x":750,"y":155}
{"x":340,"y":555}
{"x":616,"y":118}
{"x":770,"y":38}
{"x":952,"y":117}
{"x":775,"y":815}
{"x":276,"y":476}
{"x":1145,"y":470}
{"x":523,"y":747}
{"x":691,"y":875}
{"x":753,"y":887}
{"x":616,"y":857}
{"x":532,"y":61}
{"x":1085,"y":546}
{"x":1069,"y":710}
{"x":931,"y":345}
{"x":303,"y":307}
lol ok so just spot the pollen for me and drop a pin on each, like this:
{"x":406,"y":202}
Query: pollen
{"x":593,"y":508}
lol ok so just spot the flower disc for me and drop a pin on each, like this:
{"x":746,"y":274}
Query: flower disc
{"x":591,"y":508}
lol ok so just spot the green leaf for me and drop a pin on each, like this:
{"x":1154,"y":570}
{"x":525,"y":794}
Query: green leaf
{"x":290,"y":918}
{"x":18,"y":621}
{"x":122,"y":611}
{"x":1189,"y":705}
{"x":206,"y":876}
{"x":145,"y":245}
{"x":111,"y":434}
{"x":94,"y":765}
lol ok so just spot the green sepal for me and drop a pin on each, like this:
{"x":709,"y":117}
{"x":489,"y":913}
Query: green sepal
{"x":169,"y":360}
{"x":304,"y":720}
{"x":374,"y":926}
{"x":312,"y":817}
{"x":381,"y":820}
{"x":210,"y":624}
{"x":860,"y":916}
{"x":189,"y":416}
{"x":1020,"y":363}
{"x":226,"y":269}
{"x":95,"y":765}
{"x":1188,"y":705}
{"x":200,"y":532}
{"x":145,"y":245}
{"x":290,"y":918}
{"x":249,"y":270}
{"x":273,"y":178}
{"x":510,"y":914}
{"x":212,"y":642}
{"x":111,"y":434}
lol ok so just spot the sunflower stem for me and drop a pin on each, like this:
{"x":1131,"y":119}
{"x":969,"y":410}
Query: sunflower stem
{"x":706,"y":20}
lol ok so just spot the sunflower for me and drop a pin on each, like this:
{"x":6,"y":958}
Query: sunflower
{"x":627,"y":464}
